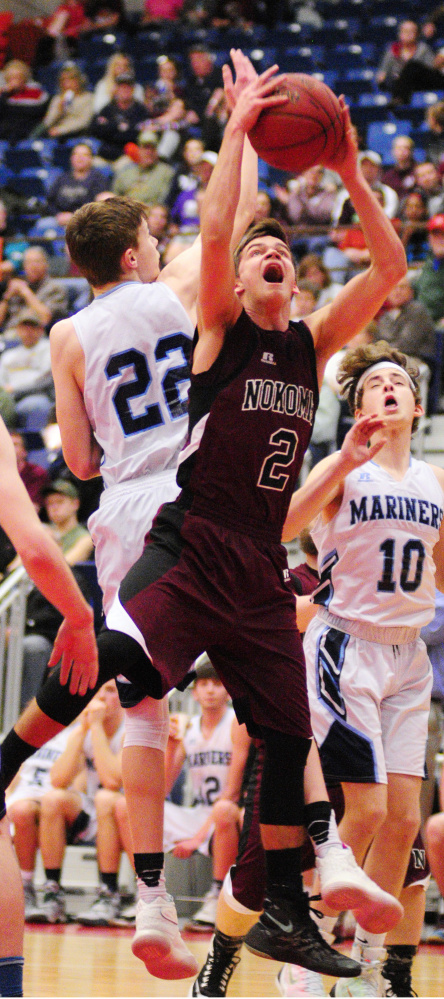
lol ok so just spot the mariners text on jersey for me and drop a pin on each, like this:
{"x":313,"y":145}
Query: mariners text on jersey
{"x":386,"y":507}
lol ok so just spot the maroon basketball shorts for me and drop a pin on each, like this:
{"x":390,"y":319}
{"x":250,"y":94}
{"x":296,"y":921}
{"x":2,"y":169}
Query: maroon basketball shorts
{"x":208,"y":588}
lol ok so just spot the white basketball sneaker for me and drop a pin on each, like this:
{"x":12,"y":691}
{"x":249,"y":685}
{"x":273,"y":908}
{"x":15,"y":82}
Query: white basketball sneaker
{"x":158,"y":943}
{"x":293,"y":980}
{"x":370,"y":982}
{"x":344,"y":885}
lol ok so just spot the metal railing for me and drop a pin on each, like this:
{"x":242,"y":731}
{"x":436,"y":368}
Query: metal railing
{"x":13,"y":594}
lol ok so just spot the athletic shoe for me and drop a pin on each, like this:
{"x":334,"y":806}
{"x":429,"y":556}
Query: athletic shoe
{"x":215,"y":975}
{"x":434,"y":935}
{"x":30,"y":898}
{"x":344,"y":885}
{"x":286,"y":932}
{"x":128,"y":914}
{"x":370,"y":981}
{"x":205,"y":917}
{"x":295,"y":981}
{"x":158,"y":943}
{"x":52,"y":909}
{"x":398,"y":985}
{"x":104,"y":911}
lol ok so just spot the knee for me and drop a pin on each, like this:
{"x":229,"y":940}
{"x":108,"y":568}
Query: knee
{"x":225,"y":815}
{"x":435,"y":832}
{"x":404,"y":820}
{"x":369,"y":815}
{"x":23,"y":813}
{"x":104,"y":802}
{"x":53,"y":802}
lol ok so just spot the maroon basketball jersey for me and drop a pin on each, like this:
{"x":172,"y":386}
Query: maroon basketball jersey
{"x":250,"y":421}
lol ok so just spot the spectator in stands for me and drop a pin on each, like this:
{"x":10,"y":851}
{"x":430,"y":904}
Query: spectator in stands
{"x":118,"y":64}
{"x":67,"y":813}
{"x":185,"y":212}
{"x":100,"y":15}
{"x":406,"y":323}
{"x":433,"y":140}
{"x":76,"y":186}
{"x":61,"y":501}
{"x":150,"y":179}
{"x":26,"y":368}
{"x":186,"y":177}
{"x":167,"y":110}
{"x":22,"y":102}
{"x":401,"y":176}
{"x":119,"y":121}
{"x":429,"y":182}
{"x":305,"y":300}
{"x":70,"y":111}
{"x":159,"y":11}
{"x":429,"y":287}
{"x":309,"y":202}
{"x":158,"y":219}
{"x":45,"y":295}
{"x":34,"y":477}
{"x":204,"y":77}
{"x":23,"y":802}
{"x":12,"y":246}
{"x":414,"y":217}
{"x":312,"y":268}
{"x":61,"y":32}
{"x":370,"y":162}
{"x":405,"y":62}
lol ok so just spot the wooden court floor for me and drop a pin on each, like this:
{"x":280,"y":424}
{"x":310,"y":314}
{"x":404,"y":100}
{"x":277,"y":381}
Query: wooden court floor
{"x":78,"y":961}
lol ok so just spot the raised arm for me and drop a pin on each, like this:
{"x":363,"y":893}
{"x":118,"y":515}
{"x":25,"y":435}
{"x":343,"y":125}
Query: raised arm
{"x":218,"y":305}
{"x":361,"y":298}
{"x":324,"y":484}
{"x":80,"y":448}
{"x":182,"y":274}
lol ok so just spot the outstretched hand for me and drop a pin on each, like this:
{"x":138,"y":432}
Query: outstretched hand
{"x":356,"y":447}
{"x":245,"y":73}
{"x":77,"y":649}
{"x":264,"y":91}
{"x":344,"y":160}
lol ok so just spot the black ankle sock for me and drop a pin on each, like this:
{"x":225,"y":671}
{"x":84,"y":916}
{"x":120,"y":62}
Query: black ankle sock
{"x":14,"y":752}
{"x":228,"y":943}
{"x":317,"y":820}
{"x":53,"y":874}
{"x":284,"y":872}
{"x":400,"y":954}
{"x":110,"y":880}
{"x":149,"y":867}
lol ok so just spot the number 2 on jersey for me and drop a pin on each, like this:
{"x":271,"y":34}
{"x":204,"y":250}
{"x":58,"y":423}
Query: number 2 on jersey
{"x":139,"y":384}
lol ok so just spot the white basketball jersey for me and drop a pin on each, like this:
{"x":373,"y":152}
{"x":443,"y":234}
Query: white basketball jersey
{"x":35,"y":771}
{"x":136,"y":387}
{"x":209,"y":759}
{"x":375,"y":557}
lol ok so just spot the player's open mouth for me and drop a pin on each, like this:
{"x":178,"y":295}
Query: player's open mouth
{"x":273,"y":273}
{"x":390,"y":402}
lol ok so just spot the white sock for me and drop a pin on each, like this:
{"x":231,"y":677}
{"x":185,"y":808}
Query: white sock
{"x":149,"y":894}
{"x":325,"y":924}
{"x":333,"y":841}
{"x":365,"y":939}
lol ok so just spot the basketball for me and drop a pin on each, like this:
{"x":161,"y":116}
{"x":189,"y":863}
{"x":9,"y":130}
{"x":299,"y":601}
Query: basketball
{"x":303,"y":132}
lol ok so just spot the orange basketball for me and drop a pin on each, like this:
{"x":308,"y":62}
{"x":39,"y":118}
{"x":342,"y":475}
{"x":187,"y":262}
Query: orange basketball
{"x":303,"y":132}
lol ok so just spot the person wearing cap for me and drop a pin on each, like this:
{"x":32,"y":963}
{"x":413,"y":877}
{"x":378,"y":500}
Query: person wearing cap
{"x":118,"y":122}
{"x":62,"y":500}
{"x":27,"y":367}
{"x":378,"y":528}
{"x":36,"y":290}
{"x":185,"y":212}
{"x":429,"y":286}
{"x":150,"y":179}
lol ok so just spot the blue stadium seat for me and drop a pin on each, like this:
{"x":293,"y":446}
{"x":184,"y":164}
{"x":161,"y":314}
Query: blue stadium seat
{"x":380,"y":135}
{"x":296,"y":59}
{"x":47,"y":231}
{"x":425,"y":98}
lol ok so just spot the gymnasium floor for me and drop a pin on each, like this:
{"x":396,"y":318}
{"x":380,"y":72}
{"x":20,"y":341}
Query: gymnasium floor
{"x":78,"y":961}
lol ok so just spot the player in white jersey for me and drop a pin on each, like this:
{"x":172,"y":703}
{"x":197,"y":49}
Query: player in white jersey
{"x":381,"y":550}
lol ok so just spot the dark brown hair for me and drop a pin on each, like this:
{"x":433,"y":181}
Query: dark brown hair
{"x":98,"y":234}
{"x":266,"y":227}
{"x":357,"y":360}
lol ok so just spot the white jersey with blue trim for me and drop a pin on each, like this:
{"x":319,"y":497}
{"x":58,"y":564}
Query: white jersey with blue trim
{"x":137,"y":340}
{"x":375,"y":557}
{"x":209,"y":759}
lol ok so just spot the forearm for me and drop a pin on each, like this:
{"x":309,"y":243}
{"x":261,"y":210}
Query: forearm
{"x":46,"y":565}
{"x":107,"y":763}
{"x":385,"y":247}
{"x":69,"y":764}
{"x":315,"y":494}
{"x":248,"y":192}
{"x":223,"y":191}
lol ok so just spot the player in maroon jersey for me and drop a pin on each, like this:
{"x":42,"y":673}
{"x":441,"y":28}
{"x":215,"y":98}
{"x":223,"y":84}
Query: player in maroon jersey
{"x":214,"y":575}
